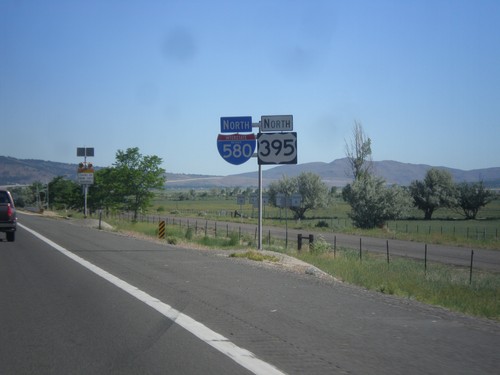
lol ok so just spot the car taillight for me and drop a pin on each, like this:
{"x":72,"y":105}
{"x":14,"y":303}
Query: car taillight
{"x":9,"y":210}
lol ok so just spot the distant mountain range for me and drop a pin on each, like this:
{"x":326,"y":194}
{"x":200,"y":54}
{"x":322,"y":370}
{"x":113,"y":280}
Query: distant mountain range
{"x":337,"y":173}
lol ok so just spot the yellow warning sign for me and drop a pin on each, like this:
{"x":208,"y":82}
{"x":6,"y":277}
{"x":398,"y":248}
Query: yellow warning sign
{"x":161,"y":229}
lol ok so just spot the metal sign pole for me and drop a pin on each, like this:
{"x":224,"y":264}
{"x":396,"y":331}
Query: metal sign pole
{"x":85,"y":209}
{"x":260,"y":207}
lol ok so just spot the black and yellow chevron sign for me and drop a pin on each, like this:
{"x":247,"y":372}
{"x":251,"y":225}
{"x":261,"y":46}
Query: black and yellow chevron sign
{"x":161,"y":229}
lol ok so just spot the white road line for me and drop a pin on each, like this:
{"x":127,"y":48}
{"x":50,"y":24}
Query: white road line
{"x":241,"y":356}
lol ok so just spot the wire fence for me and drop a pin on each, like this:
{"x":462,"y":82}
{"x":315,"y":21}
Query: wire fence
{"x":297,"y":240}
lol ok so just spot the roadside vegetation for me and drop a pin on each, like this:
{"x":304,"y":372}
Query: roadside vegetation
{"x":439,"y":284}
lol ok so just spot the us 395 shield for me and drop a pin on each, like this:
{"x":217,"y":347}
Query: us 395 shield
{"x":277,"y":148}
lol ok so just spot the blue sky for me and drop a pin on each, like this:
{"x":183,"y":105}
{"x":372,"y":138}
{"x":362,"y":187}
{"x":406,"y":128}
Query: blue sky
{"x":422,"y":77}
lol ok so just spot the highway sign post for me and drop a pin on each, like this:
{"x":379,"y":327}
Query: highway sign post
{"x":85,"y":172}
{"x":277,"y":144}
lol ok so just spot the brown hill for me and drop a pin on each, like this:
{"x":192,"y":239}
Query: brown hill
{"x":337,"y":173}
{"x":26,"y":171}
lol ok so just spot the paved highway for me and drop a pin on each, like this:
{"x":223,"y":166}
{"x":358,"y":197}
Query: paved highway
{"x":76,"y":300}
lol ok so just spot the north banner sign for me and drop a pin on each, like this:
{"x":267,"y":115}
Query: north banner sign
{"x":236,"y":148}
{"x":283,"y":123}
{"x":241,"y":124}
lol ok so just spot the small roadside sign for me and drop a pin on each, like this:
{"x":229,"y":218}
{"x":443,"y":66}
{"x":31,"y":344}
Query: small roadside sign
{"x":86,"y":178}
{"x":161,"y":229}
{"x":283,"y":123}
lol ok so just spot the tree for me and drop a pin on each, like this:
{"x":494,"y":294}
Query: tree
{"x":135,"y":176}
{"x":372,"y":203}
{"x":314,"y":192}
{"x":359,"y":152}
{"x":435,"y":191}
{"x":105,"y":193}
{"x":37,"y":194}
{"x":471,"y":197}
{"x":65,"y":193}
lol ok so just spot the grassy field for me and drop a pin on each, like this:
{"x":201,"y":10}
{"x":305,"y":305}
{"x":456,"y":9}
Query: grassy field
{"x":446,"y":227}
{"x":439,"y":285}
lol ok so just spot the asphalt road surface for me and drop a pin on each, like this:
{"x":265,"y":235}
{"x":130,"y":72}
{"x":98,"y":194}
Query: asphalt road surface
{"x":76,"y":300}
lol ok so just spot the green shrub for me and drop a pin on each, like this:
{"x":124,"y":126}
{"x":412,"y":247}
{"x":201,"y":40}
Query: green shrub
{"x":189,"y":234}
{"x":234,"y":239}
{"x":319,"y":246}
{"x":322,"y":224}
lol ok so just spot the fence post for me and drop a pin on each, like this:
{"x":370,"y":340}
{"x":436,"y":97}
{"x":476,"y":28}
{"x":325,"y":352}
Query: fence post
{"x":334,"y":246}
{"x":425,"y":259}
{"x":360,"y":251}
{"x":471,"y":260}
{"x":299,"y":242}
{"x":387,"y":247}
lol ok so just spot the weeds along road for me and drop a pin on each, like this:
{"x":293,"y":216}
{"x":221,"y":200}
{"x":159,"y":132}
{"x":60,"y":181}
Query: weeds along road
{"x":454,"y":255}
{"x":76,"y":300}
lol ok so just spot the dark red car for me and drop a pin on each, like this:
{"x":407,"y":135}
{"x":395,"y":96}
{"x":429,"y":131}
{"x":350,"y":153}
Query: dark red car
{"x":8,"y":219}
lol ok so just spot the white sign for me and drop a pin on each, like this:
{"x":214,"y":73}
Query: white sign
{"x":277,"y":148}
{"x":276,"y":123}
{"x":86,"y":178}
